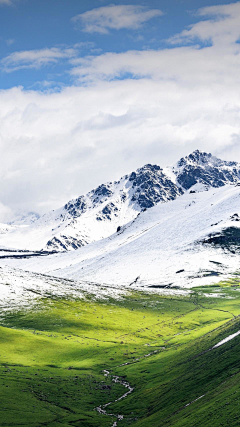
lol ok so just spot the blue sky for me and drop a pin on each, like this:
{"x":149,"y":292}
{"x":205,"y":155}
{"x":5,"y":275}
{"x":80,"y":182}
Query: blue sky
{"x":39,"y":24}
{"x":93,"y":90}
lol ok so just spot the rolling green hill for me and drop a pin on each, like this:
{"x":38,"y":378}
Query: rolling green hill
{"x":52,"y":360}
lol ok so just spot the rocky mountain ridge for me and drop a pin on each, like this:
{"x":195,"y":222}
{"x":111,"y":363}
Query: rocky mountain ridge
{"x":204,"y":168}
{"x":102,"y":211}
{"x":114,"y":204}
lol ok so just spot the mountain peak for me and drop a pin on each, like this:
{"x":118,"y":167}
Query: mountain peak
{"x":204,"y":168}
{"x":149,"y":167}
{"x":202,"y":158}
{"x":196,"y":157}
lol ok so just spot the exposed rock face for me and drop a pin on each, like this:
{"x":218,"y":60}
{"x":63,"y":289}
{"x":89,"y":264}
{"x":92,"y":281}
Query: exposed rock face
{"x":113,"y":204}
{"x":76,"y":207}
{"x":63,"y":243}
{"x":151,"y":186}
{"x":200,"y":167}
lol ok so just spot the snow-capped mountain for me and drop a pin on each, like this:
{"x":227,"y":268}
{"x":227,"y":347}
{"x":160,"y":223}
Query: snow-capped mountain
{"x":97,"y":214}
{"x":102,"y":211}
{"x":192,"y":240}
{"x":203,"y":168}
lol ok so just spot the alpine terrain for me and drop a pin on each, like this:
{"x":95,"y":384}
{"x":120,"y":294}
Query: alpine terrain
{"x":122,"y":307}
{"x":99,"y":213}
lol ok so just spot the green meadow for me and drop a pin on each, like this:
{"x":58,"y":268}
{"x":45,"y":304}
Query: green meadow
{"x":52,"y":360}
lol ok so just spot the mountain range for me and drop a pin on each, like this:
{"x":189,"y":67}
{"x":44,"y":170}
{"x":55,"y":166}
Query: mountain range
{"x":149,"y":229}
{"x":135,"y":285}
{"x":109,"y":207}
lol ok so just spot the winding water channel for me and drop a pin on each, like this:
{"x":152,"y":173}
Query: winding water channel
{"x":102,"y":408}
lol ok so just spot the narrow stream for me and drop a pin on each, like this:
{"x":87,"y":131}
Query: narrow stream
{"x":102,"y":408}
{"x":118,"y":380}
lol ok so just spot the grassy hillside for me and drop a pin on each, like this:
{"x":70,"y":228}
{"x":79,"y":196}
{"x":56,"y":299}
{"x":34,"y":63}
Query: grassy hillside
{"x":52,"y":359}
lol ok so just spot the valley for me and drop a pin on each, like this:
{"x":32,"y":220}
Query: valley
{"x":122,"y":308}
{"x":55,"y":357}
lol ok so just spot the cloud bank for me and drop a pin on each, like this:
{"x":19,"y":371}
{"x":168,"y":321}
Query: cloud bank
{"x":129,"y":109}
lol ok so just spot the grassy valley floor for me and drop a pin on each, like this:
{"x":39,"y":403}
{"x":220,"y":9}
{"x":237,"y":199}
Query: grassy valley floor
{"x":52,"y":359}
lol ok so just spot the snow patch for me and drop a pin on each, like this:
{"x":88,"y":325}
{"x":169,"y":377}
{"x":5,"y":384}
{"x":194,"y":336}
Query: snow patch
{"x":229,"y":338}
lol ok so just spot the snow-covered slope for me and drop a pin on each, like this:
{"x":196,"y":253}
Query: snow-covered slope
{"x":102,"y":211}
{"x":97,"y":214}
{"x":24,"y":219}
{"x":192,"y":240}
{"x":6,"y":228}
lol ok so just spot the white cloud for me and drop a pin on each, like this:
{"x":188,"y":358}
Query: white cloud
{"x":36,"y":58}
{"x":222,"y":28}
{"x":103,"y":19}
{"x":216,"y":63}
{"x":58,"y":145}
